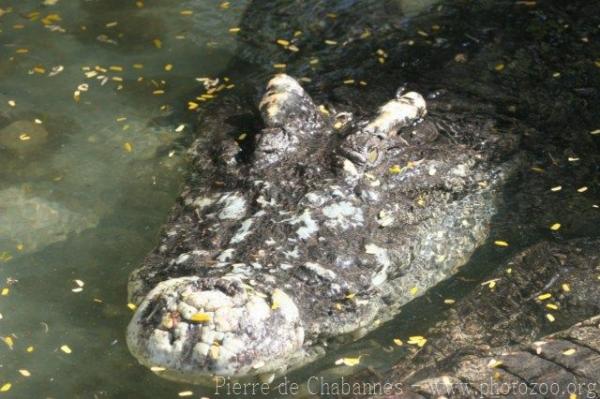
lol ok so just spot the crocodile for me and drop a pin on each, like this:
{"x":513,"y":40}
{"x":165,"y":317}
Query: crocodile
{"x":313,"y":230}
{"x":531,"y":329}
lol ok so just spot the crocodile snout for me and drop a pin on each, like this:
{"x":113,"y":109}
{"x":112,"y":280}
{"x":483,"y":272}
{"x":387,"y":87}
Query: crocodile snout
{"x":198,"y":327}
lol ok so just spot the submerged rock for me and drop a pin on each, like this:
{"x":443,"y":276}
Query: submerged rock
{"x":30,"y":223}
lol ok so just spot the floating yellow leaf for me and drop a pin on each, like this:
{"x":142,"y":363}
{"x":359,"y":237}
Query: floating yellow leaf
{"x":499,"y":67}
{"x":157,"y":43}
{"x":449,"y":301}
{"x":157,"y":369}
{"x":234,"y":30}
{"x":192,"y":105}
{"x":395,"y":169}
{"x":6,"y":387}
{"x":582,"y":189}
{"x":414,"y":290}
{"x":283,"y":42}
{"x":550,"y":317}
{"x":201,"y":317}
{"x":569,"y":352}
{"x":552,"y":306}
{"x":348,"y":361}
{"x":566,"y":287}
{"x":185,"y":393}
{"x":398,"y":341}
{"x":276,"y":298}
{"x":30,"y":349}
{"x":556,"y":188}
{"x":500,"y":243}
{"x":131,"y":306}
{"x":25,"y":373}
{"x":5,"y":291}
{"x":186,"y":12}
{"x":491,"y":283}
{"x":215,"y":351}
{"x":169,"y":67}
{"x":555,"y":227}
{"x":9,"y":342}
{"x":128,"y":147}
{"x":66,"y":349}
{"x":418,"y":340}
{"x":543,"y":297}
{"x":330,"y":42}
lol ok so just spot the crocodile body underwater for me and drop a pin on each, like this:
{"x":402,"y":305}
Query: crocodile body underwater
{"x":315,"y":234}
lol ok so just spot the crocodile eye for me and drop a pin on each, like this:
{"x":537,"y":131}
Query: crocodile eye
{"x":342,"y":120}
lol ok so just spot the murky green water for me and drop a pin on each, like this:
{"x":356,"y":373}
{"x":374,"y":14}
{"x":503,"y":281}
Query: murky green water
{"x":94,"y":127}
{"x":87,"y":179}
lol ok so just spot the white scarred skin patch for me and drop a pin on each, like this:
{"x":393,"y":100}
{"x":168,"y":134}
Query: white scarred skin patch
{"x":309,"y":225}
{"x":382,"y":257}
{"x":234,"y":206}
{"x":240,"y":333}
{"x":320,"y":271}
{"x":242,"y":232}
{"x":343,"y":215}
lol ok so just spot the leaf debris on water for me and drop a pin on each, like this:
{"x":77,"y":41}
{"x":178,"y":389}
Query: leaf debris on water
{"x":500,"y":243}
{"x":9,"y":342}
{"x":555,"y":227}
{"x":582,"y":189}
{"x":550,"y":317}
{"x":201,"y":317}
{"x":66,"y":349}
{"x":6,"y":387}
{"x":25,"y":373}
{"x":491,"y":283}
{"x":348,"y":361}
{"x":185,"y":393}
{"x":569,"y":352}
{"x":545,"y":296}
{"x":418,"y":340}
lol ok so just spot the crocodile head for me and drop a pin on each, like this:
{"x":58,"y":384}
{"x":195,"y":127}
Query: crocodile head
{"x":326,"y":228}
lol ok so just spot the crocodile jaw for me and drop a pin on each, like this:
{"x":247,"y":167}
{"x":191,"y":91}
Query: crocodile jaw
{"x":196,"y":328}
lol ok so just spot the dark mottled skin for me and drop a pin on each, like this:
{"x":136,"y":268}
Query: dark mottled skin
{"x":326,"y":223}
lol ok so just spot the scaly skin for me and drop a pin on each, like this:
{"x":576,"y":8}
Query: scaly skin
{"x":322,"y":227}
{"x":499,"y":342}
